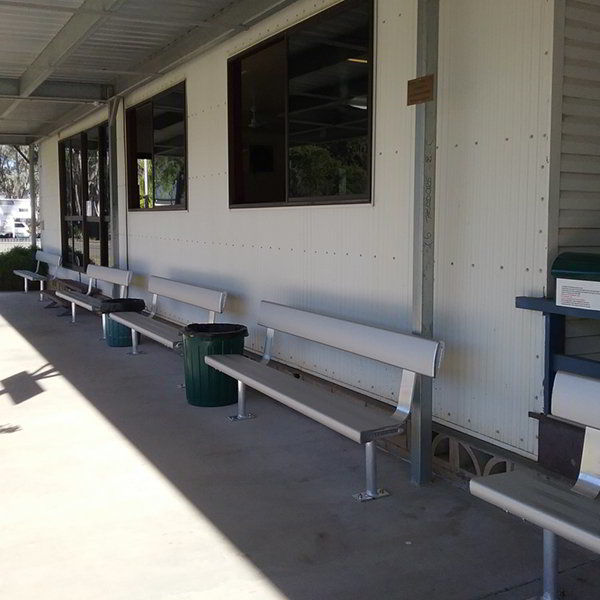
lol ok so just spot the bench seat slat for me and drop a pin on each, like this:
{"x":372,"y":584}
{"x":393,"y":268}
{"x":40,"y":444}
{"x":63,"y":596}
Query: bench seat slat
{"x":544,"y":503}
{"x":359,"y":423}
{"x":83,"y":300}
{"x":163,"y":333}
{"x":30,"y":275}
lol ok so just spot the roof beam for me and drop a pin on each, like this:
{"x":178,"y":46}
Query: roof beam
{"x":58,"y":91}
{"x":16,"y":139}
{"x":237,"y":16}
{"x":74,"y":32}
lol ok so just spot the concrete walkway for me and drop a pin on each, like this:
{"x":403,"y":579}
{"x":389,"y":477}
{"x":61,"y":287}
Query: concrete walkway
{"x":114,"y":488}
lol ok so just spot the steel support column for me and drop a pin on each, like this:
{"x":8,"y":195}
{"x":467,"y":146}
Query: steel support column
{"x":424,"y":220}
{"x":33,"y":221}
{"x":113,"y":109}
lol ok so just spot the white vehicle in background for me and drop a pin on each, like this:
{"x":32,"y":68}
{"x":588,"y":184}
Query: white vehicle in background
{"x":15,"y":217}
{"x":20,"y":230}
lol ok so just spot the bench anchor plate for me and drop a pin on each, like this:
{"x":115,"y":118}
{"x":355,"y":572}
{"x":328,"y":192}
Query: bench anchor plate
{"x":372,"y":492}
{"x":242,"y":414}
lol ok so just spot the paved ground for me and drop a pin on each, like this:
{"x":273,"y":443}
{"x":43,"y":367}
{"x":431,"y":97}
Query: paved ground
{"x":113,"y":487}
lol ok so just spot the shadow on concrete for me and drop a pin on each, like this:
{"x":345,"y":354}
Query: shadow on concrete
{"x":23,"y":386}
{"x":279,"y":487}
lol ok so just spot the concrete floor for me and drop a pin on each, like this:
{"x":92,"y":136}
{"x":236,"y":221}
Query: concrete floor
{"x":113,"y":487}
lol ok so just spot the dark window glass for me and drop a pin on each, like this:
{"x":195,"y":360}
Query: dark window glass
{"x":93,"y":174}
{"x":156,"y":151}
{"x":68,"y":182}
{"x":261,"y":123}
{"x":74,"y":244}
{"x":94,"y":249}
{"x":76,"y":189}
{"x":83,"y":164}
{"x":300,"y":113}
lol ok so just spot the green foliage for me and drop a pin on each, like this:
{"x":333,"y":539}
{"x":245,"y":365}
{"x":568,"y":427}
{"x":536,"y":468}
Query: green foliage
{"x":14,"y":172}
{"x":20,"y":257}
{"x":328,"y":169}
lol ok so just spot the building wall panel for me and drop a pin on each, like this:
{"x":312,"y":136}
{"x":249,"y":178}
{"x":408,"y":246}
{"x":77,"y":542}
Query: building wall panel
{"x":350,"y":261}
{"x":491,"y":214}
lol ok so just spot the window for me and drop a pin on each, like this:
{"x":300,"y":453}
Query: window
{"x":156,"y":152}
{"x":300,"y":113}
{"x":85,"y":207}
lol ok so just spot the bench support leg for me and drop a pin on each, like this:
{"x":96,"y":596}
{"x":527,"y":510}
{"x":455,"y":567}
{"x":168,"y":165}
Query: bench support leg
{"x":372,"y":492}
{"x":25,"y":284}
{"x":104,"y":317}
{"x":41,"y":291}
{"x":73,"y":309}
{"x":134,"y":343}
{"x":550,"y":583}
{"x":242,"y":415}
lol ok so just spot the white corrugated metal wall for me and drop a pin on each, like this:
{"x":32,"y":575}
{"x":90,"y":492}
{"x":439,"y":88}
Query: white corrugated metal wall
{"x":356,"y":261}
{"x":491,"y":225}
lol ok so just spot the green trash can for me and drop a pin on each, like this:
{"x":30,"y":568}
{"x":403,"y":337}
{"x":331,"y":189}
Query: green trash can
{"x":117,"y":335}
{"x":204,"y":386}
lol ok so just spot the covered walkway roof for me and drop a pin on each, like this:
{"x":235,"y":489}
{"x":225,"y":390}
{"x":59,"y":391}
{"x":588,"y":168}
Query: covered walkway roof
{"x":61,"y":59}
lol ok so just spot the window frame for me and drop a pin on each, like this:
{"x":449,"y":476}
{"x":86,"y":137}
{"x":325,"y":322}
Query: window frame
{"x":234,"y":107}
{"x":131,"y":174}
{"x":103,"y":219}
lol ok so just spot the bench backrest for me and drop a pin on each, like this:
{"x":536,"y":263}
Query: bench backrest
{"x":211,"y":300}
{"x":119,"y":277}
{"x":577,"y":398}
{"x":410,"y":352}
{"x":48,"y":258}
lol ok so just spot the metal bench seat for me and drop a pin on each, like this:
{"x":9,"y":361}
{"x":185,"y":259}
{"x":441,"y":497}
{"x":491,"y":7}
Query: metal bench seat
{"x":571,"y":513}
{"x":30,"y":275}
{"x":413,"y":354}
{"x":545,"y":503}
{"x":96,"y":273}
{"x":52,"y":260}
{"x":163,"y":333}
{"x":88,"y":302}
{"x":359,"y":423}
{"x":169,"y":334}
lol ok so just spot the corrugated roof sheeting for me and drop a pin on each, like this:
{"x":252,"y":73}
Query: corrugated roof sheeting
{"x":136,"y":31}
{"x":116,"y":46}
{"x":25,"y":32}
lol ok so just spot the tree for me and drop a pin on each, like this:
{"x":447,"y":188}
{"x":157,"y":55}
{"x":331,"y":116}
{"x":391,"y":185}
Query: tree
{"x":14,"y":171}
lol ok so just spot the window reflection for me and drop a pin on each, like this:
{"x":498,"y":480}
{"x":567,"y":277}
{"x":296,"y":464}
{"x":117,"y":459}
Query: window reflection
{"x":94,"y":249}
{"x":156,"y":139}
{"x":300,"y":112}
{"x":328,"y":108}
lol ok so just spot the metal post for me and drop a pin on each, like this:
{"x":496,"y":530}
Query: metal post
{"x":424,"y":219}
{"x":134,"y":342}
{"x":371,"y":468}
{"x":33,"y":220}
{"x":242,"y":415}
{"x":104,"y":317}
{"x":550,"y":583}
{"x":41,"y":290}
{"x":25,"y":285}
{"x":73,"y":309}
{"x":372,"y":492}
{"x":113,"y":108}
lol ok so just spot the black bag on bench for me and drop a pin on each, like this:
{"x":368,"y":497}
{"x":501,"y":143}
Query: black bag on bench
{"x":122,"y":305}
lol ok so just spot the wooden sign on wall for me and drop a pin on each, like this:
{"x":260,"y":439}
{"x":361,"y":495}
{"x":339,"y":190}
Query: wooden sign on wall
{"x":420,"y":90}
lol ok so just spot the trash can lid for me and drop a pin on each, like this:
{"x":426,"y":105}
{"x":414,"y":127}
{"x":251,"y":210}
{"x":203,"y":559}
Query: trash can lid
{"x":215,"y":330}
{"x":122,"y":305}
